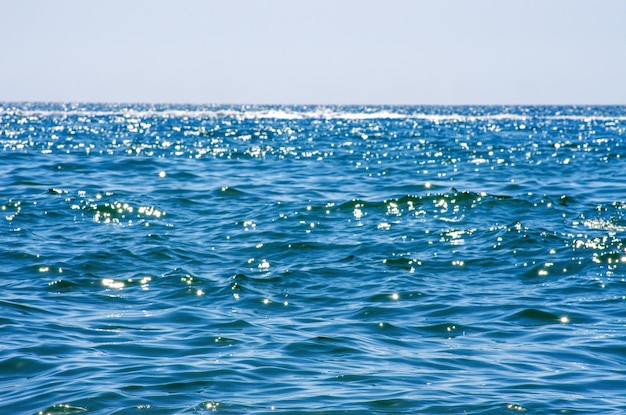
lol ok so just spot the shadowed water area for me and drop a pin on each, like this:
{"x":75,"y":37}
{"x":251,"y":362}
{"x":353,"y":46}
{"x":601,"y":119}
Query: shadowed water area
{"x":313,"y":260}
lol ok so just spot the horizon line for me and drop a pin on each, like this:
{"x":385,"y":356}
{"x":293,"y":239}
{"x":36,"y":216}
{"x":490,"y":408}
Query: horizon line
{"x":239,"y":104}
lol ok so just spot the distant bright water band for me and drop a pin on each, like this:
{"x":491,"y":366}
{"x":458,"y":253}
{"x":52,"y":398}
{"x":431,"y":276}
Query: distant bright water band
{"x":312,"y":260}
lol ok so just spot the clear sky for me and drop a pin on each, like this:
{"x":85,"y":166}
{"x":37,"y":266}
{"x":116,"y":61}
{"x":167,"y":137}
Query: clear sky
{"x":314,"y":51}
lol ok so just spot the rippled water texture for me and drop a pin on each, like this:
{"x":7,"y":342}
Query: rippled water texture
{"x":185,"y":260}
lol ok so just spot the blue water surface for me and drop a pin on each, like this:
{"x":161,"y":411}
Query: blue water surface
{"x":170,"y":259}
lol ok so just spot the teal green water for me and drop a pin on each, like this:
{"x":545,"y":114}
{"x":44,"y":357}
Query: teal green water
{"x":312,"y":260}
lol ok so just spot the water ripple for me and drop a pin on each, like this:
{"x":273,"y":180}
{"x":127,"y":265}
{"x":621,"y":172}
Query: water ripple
{"x":259,"y":259}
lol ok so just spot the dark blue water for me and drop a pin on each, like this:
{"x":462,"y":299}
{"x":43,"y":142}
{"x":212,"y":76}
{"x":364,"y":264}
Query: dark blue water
{"x":323,"y":260}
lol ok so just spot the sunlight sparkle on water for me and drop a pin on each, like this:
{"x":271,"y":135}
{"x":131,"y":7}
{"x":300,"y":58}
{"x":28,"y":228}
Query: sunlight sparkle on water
{"x":111,"y":283}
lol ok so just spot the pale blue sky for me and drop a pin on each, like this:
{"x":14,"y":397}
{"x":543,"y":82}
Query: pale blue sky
{"x":314,"y":51}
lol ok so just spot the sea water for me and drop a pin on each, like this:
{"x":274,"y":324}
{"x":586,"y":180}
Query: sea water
{"x":171,"y":259}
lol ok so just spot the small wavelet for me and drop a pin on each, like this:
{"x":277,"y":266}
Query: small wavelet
{"x":62,"y":409}
{"x":534,"y":317}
